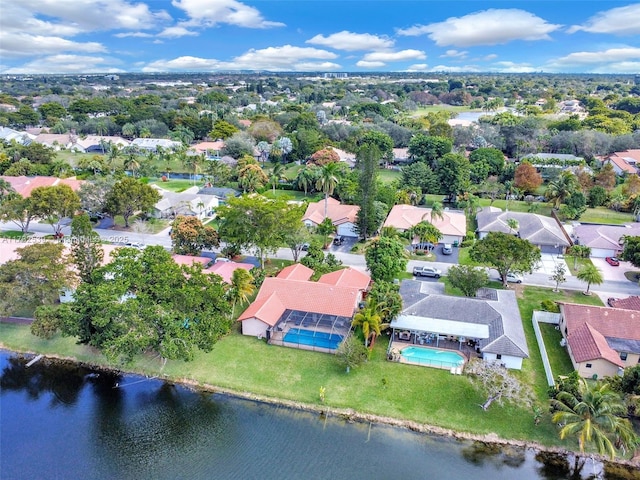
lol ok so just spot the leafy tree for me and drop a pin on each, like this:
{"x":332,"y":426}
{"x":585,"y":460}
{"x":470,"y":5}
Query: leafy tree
{"x":631,"y":251}
{"x":420,"y":175}
{"x":217,"y":173}
{"x":467,"y":279}
{"x":590,"y":274}
{"x":381,"y":141}
{"x":385,"y":258}
{"x":574,"y":206}
{"x":324,"y":156}
{"x":54,"y":204}
{"x":631,"y":380}
{"x":578,"y":251}
{"x":255,"y":222}
{"x":47,"y":320}
{"x":189,"y":236}
{"x":506,"y":253}
{"x":527,"y":177}
{"x":490,"y":156}
{"x":560,"y":189}
{"x":34,"y":278}
{"x":453,"y":170}
{"x":327,"y":181}
{"x":296,"y":237}
{"x":325,"y":228}
{"x":222,"y":130}
{"x":93,"y":195}
{"x":594,"y":418}
{"x":559,"y":276}
{"x":368,"y":158}
{"x":606,"y":177}
{"x":386,"y":299}
{"x":426,"y":232}
{"x":238,"y":144}
{"x":19,"y":211}
{"x":252,"y":178}
{"x":86,"y":247}
{"x":129,"y":196}
{"x":428,"y":149}
{"x":597,"y":196}
{"x":497,"y":383}
{"x":351,"y":353}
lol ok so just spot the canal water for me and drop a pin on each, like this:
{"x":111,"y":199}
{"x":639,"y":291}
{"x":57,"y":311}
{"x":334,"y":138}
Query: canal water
{"x":64,"y":421}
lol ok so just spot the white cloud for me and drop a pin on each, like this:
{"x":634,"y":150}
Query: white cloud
{"x":619,"y":67}
{"x":449,"y":68}
{"x":177,"y":32}
{"x":491,"y":56}
{"x":617,"y":21}
{"x":285,"y":58}
{"x":488,"y":27}
{"x":513,"y":67}
{"x":15,"y":45}
{"x":394,"y":56}
{"x":208,"y":13}
{"x":454,"y":54}
{"x":418,"y":67}
{"x":67,"y":64}
{"x":352,"y":41}
{"x":595,"y":58}
{"x":133,"y":34}
{"x":365,"y":64}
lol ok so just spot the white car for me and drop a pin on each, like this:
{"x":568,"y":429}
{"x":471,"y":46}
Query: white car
{"x":513,"y":277}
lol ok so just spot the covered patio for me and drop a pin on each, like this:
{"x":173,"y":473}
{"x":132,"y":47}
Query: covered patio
{"x":437,"y":333}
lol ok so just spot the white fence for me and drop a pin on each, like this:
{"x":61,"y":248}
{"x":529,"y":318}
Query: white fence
{"x":544,"y":317}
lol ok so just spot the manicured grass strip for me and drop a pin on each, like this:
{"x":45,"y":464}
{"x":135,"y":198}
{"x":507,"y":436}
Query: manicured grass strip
{"x":558,"y":356}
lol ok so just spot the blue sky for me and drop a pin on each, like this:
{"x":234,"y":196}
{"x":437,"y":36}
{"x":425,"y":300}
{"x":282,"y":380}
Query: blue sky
{"x":88,"y":36}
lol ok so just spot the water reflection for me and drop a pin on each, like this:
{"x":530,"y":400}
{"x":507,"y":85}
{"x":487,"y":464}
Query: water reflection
{"x":479,"y":453}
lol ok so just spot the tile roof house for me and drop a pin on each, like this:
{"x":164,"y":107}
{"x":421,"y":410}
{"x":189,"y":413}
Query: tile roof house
{"x":629,"y":303}
{"x":601,"y":341}
{"x":545,"y":232}
{"x":493,"y":322}
{"x":603,"y":240}
{"x":24,"y":185}
{"x":342,"y":216}
{"x":452,"y":225}
{"x":226,"y":269}
{"x":624,"y":162}
{"x":209,"y":149}
{"x":336,"y":295}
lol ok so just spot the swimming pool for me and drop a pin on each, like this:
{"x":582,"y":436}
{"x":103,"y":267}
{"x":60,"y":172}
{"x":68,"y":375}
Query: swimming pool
{"x":313,"y":339}
{"x":432,"y":357}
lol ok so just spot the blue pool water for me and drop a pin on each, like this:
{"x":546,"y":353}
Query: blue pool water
{"x":433,"y":357}
{"x":314,"y":339}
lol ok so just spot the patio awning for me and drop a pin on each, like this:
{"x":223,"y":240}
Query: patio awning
{"x":437,"y":325}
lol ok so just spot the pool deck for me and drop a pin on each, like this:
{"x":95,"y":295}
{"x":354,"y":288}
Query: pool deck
{"x":398,"y":346}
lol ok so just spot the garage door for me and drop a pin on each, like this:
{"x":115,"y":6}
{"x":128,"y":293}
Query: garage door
{"x":550,"y":249}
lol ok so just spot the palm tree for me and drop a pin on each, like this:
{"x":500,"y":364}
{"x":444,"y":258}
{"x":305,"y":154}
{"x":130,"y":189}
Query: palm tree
{"x":426,"y":232}
{"x":194,"y":163}
{"x":241,"y":287}
{"x":578,"y":251}
{"x":306,"y":178}
{"x":437,"y":211}
{"x":513,"y":224}
{"x":561,"y":188}
{"x":593,"y":416}
{"x":277,"y":174}
{"x":370,"y":322}
{"x":6,"y":190}
{"x":327,"y":182}
{"x":590,"y":274}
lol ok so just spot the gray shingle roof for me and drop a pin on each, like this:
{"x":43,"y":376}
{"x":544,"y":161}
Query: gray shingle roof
{"x":506,"y":334}
{"x":538,"y":229}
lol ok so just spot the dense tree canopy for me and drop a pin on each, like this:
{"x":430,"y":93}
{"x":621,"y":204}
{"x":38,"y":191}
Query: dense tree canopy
{"x":190,"y":237}
{"x":129,"y":196}
{"x":386,"y":258}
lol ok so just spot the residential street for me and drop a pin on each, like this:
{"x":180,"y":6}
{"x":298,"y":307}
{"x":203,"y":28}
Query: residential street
{"x":610,"y":288}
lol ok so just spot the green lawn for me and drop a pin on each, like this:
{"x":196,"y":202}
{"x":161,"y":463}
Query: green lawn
{"x":14,"y":234}
{"x":437,"y":108}
{"x":173,"y":185}
{"x":605,"y":215}
{"x":293,"y":195}
{"x":578,"y":262}
{"x":558,"y":356}
{"x":388,"y":176}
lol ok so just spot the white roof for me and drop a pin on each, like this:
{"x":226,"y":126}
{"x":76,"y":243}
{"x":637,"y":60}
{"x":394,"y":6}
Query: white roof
{"x":437,"y":325}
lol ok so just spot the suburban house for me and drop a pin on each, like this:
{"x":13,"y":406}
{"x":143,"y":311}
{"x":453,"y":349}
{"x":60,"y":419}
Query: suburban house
{"x":25,"y":185}
{"x":544,"y":232}
{"x":342,"y":216}
{"x":226,"y":269}
{"x":624,"y":163}
{"x":222,"y":193}
{"x":10,"y":135}
{"x":489,"y":326}
{"x":96,"y":143}
{"x":152,"y":144}
{"x":188,"y":202}
{"x":348,"y":158}
{"x":601,"y":341}
{"x":211,"y":150}
{"x":452,"y":225}
{"x":629,"y":303}
{"x":291,"y":310}
{"x":603,"y":240}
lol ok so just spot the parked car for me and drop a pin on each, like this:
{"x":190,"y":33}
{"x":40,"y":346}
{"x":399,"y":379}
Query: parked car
{"x":134,"y":245}
{"x":304,"y":247}
{"x":613,"y":261}
{"x":513,"y":277}
{"x":427,"y":272}
{"x":222,"y":259}
{"x":338,"y":240}
{"x":423,"y":246}
{"x":447,"y":249}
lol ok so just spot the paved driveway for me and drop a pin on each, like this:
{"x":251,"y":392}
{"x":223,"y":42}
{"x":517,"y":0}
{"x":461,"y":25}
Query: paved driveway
{"x":548,"y":262}
{"x":613,"y":273}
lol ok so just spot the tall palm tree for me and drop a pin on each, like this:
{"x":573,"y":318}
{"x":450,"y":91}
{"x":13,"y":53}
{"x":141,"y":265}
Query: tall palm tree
{"x":513,"y":224}
{"x":277,"y":174}
{"x":437,"y":211}
{"x":327,"y":182}
{"x":561,"y":188}
{"x":193,"y":163}
{"x":306,"y":178}
{"x":370,"y":322}
{"x":593,"y":416}
{"x":590,"y":274}
{"x":578,"y":251}
{"x":241,"y":287}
